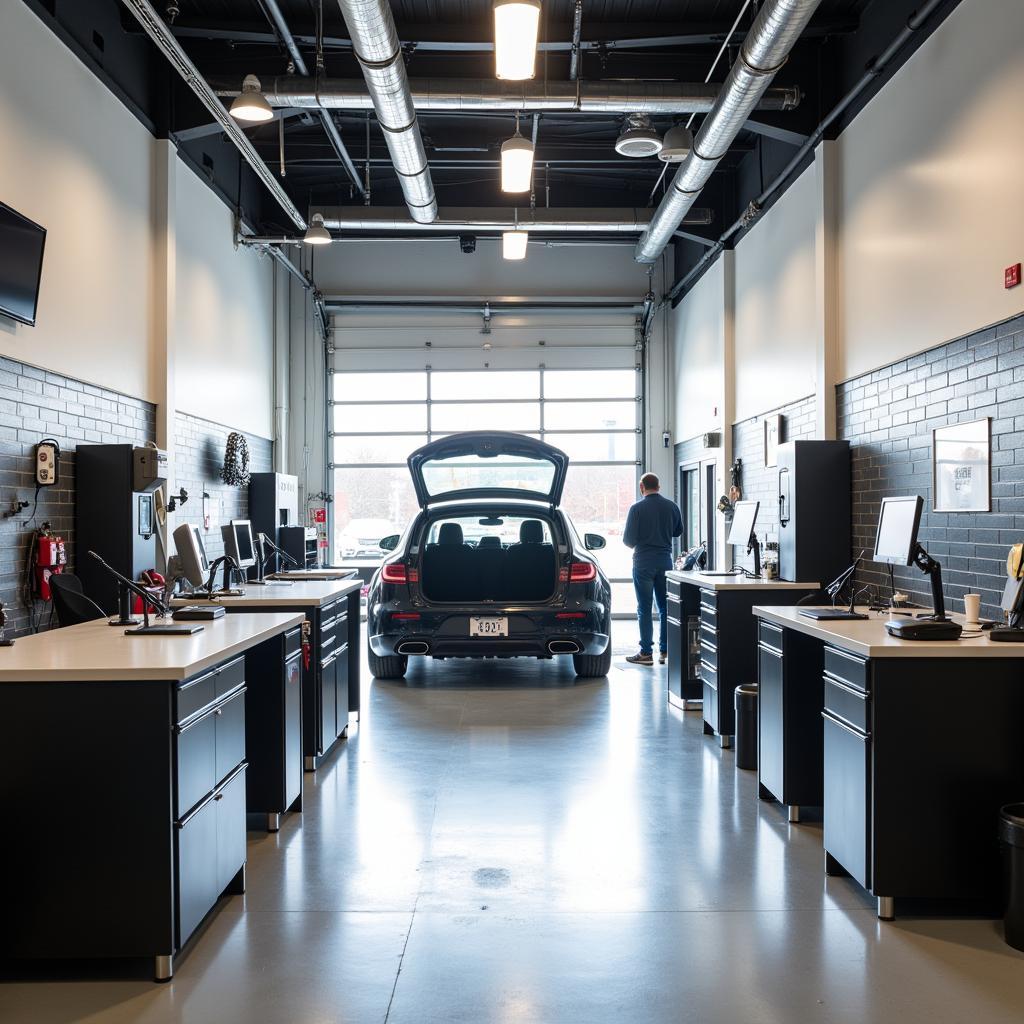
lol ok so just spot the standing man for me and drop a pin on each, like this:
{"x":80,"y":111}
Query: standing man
{"x":651,"y":525}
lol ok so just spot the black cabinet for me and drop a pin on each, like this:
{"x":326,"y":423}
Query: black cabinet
{"x":771,"y":772}
{"x":848,"y":797}
{"x":328,"y":697}
{"x":682,"y":676}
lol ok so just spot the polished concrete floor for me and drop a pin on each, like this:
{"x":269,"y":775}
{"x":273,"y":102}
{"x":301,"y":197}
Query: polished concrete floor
{"x":501,"y":843}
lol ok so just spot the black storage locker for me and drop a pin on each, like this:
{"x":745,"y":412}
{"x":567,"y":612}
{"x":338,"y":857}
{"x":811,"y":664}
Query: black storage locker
{"x":273,"y":503}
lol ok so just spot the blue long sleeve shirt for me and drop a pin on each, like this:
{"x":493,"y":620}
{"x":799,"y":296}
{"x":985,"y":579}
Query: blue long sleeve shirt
{"x":651,"y":525}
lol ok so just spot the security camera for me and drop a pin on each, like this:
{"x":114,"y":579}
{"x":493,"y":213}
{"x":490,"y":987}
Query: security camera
{"x":467,"y":243}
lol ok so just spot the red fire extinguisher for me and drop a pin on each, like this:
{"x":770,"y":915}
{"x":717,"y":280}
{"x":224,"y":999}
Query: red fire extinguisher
{"x":50,"y":559}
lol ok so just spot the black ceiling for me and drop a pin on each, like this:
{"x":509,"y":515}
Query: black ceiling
{"x":673,"y":40}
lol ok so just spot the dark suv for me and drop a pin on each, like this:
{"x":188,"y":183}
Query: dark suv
{"x":490,"y":567}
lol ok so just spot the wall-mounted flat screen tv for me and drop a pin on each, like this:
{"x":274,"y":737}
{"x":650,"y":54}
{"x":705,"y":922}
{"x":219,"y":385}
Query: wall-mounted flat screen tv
{"x":21,"y":265}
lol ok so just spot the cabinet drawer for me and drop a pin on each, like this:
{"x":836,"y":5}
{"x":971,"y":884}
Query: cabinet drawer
{"x":770,"y":635}
{"x":230,"y":676}
{"x":197,"y":867}
{"x":847,"y":702}
{"x":847,"y":668}
{"x":847,"y":824}
{"x":292,"y":642}
{"x":708,"y":654}
{"x":230,"y":728}
{"x":709,"y":675}
{"x":193,"y":695}
{"x":708,"y":612}
{"x":229,"y":801}
{"x":674,"y":590}
{"x":708,"y":635}
{"x":196,"y":762}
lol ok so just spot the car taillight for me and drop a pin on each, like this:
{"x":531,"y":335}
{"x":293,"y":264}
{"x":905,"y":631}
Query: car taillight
{"x":571,"y":615}
{"x":397,"y":572}
{"x":579,"y":572}
{"x":406,"y":616}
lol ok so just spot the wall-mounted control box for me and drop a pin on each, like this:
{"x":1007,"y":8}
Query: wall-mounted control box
{"x":149,"y":468}
{"x":47,"y":463}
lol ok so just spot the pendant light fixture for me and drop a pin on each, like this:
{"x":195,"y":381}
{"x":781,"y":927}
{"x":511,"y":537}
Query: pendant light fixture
{"x":516,"y":23}
{"x":250,"y":104}
{"x":516,"y":162}
{"x":316,"y":233}
{"x":513,"y":243}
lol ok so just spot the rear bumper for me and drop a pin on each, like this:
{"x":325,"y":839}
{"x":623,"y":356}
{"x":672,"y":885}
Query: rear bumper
{"x":520,"y":646}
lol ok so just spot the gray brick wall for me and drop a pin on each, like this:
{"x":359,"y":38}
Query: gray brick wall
{"x":888,"y":416}
{"x":34,"y":404}
{"x":760,"y":482}
{"x":199,"y":457}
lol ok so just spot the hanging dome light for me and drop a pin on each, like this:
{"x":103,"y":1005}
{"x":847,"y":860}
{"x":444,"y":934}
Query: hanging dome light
{"x":316,"y":233}
{"x":677,"y":145}
{"x":250,"y":104}
{"x":516,"y":163}
{"x":515,"y":38}
{"x":513,"y":244}
{"x":638,"y":138}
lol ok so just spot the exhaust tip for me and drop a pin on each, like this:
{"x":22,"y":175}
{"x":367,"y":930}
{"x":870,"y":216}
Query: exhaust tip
{"x":413,"y":647}
{"x":563,"y":647}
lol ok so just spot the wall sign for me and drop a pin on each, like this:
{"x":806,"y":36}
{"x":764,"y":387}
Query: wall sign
{"x":962,"y":467}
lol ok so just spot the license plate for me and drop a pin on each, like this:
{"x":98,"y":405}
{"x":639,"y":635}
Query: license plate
{"x":487,"y":627}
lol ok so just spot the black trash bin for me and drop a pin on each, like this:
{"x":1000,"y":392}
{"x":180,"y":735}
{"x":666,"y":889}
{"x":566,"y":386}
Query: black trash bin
{"x":1011,"y":833}
{"x":745,"y":702}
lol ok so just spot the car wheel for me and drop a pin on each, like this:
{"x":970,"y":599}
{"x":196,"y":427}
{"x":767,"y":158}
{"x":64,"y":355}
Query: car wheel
{"x":392,"y":667}
{"x":593,"y":665}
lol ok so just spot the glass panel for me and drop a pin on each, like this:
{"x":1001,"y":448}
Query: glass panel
{"x":504,"y":472}
{"x":624,"y":603}
{"x":485,"y":384}
{"x":518,"y":417}
{"x":595,"y":447}
{"x":598,"y":498}
{"x":364,"y":418}
{"x":590,"y":415}
{"x":370,"y":504}
{"x":691,"y":509}
{"x":507,"y":529}
{"x":385,"y":448}
{"x":591,"y":384}
{"x":391,"y":387}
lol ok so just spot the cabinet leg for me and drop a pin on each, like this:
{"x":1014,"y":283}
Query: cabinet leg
{"x":793,"y":810}
{"x":887,"y":908}
{"x":833,"y":868}
{"x":236,"y":887}
{"x":273,"y":822}
{"x":310,"y":764}
{"x":708,"y":731}
{"x":163,"y":968}
{"x":764,"y":793}
{"x":725,"y":741}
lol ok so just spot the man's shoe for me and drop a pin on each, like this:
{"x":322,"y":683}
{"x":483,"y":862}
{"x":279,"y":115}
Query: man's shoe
{"x":640,"y":659}
{"x":662,"y":658}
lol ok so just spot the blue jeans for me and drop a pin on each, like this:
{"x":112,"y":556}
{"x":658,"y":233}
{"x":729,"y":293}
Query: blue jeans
{"x":649,"y":581}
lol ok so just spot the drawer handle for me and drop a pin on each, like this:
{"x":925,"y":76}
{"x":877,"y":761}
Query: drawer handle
{"x":842,"y":725}
{"x":829,"y":678}
{"x":218,"y":796}
{"x":672,"y":621}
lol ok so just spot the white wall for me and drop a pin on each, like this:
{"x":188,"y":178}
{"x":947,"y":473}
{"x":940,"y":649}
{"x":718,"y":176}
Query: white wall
{"x":775,"y":313}
{"x":77,"y":162}
{"x":224,"y":315}
{"x":698,"y":343}
{"x":931,"y":203}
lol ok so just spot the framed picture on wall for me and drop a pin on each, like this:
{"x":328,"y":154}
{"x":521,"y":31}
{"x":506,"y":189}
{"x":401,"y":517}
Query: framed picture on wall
{"x":962,"y":467}
{"x":772,"y":439}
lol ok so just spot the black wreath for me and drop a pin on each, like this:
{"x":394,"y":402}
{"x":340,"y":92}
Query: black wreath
{"x":236,"y":461}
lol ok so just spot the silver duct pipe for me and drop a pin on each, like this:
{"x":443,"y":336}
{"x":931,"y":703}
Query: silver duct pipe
{"x":769,"y":41}
{"x":577,"y":30}
{"x":276,"y":17}
{"x":157,"y":30}
{"x":379,"y":52}
{"x":454,"y":219}
{"x":462,"y":95}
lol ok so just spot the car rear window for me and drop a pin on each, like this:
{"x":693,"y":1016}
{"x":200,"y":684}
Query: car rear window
{"x":500,"y":472}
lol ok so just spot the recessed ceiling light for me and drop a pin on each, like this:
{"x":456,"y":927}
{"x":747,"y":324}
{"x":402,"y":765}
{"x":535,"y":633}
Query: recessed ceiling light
{"x":316,"y":233}
{"x":515,"y":38}
{"x":638,"y":138}
{"x":513,"y":244}
{"x":250,"y":104}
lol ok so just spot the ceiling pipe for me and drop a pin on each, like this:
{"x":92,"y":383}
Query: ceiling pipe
{"x":276,"y":18}
{"x":157,"y":30}
{"x":467,"y":95}
{"x":376,"y":46}
{"x":767,"y":45}
{"x":577,"y":30}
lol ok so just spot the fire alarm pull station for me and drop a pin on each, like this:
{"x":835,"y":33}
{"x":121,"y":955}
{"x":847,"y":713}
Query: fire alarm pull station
{"x":47,"y":462}
{"x":1011,"y":276}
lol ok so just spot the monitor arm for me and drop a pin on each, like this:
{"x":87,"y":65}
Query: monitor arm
{"x":754,"y":545}
{"x":928,"y":565}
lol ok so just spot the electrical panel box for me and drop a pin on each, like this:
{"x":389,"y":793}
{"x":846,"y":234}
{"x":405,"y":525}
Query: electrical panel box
{"x":815,"y":533}
{"x":149,"y":468}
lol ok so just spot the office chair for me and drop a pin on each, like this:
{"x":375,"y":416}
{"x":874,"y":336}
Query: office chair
{"x":70,"y":602}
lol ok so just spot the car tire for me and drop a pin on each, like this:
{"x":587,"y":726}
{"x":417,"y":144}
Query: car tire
{"x":591,"y":666}
{"x":391,"y":667}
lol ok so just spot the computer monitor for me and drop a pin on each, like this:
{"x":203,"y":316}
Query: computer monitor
{"x":743,"y":518}
{"x":238,"y":543}
{"x":898,"y":522}
{"x":192,"y":551}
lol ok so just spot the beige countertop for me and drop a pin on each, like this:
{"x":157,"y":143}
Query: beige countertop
{"x":314,"y":574}
{"x":95,"y":651}
{"x":301,"y":594}
{"x":868,"y":638}
{"x":735,"y":582}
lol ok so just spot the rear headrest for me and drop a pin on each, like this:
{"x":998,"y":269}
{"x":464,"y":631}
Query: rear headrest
{"x":450,"y":533}
{"x":531,"y":532}
{"x":489,"y":542}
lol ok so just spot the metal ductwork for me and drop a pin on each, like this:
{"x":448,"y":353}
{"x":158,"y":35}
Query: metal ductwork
{"x":765,"y":49}
{"x":157,"y":30}
{"x":465,"y":95}
{"x":379,"y":52}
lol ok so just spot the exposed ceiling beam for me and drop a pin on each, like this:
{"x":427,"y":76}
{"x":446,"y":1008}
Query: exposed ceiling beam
{"x":202,"y":131}
{"x":771,"y":131}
